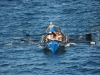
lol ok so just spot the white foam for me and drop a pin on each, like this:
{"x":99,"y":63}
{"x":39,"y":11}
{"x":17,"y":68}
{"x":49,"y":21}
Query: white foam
{"x":69,"y":44}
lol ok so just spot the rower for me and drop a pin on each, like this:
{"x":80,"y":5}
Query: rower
{"x":59,"y":36}
{"x":51,"y":28}
{"x":49,"y":37}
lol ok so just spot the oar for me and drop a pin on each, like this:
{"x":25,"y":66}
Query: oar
{"x":28,"y":39}
{"x":72,"y":43}
{"x":89,"y":39}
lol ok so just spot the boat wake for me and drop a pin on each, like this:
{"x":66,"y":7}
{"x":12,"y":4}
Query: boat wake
{"x":70,"y":44}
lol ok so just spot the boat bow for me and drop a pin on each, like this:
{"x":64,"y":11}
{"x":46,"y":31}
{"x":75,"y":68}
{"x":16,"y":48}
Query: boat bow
{"x":53,"y":45}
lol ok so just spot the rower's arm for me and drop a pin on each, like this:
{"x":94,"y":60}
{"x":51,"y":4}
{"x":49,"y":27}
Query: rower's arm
{"x":56,"y":26}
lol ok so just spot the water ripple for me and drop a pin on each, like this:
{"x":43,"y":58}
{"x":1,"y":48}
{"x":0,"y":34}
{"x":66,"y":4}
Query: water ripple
{"x":23,"y":22}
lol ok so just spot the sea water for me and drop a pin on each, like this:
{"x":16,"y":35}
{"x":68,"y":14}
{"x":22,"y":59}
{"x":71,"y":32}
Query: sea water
{"x":22,"y":23}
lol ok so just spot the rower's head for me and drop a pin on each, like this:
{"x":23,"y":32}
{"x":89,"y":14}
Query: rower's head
{"x":50,"y":23}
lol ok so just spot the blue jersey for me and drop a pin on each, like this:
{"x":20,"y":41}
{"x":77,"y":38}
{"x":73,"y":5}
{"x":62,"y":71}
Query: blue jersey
{"x":52,"y":28}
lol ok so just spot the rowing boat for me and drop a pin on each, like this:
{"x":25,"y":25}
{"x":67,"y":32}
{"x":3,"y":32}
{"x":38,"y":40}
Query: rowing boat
{"x":54,"y":44}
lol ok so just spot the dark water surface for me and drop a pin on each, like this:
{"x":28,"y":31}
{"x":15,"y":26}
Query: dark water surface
{"x":22,"y":23}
